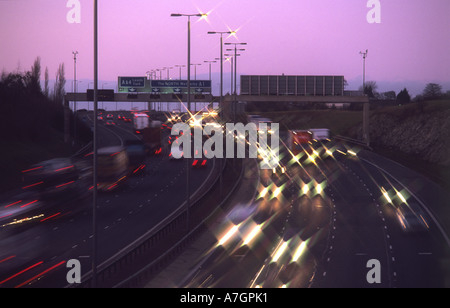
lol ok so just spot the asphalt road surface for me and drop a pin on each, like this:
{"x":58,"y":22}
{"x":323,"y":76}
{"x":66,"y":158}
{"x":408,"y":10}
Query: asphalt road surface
{"x":36,"y":255}
{"x":331,"y":223}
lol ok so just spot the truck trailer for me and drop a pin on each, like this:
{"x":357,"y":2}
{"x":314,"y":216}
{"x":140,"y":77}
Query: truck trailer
{"x":140,"y":122}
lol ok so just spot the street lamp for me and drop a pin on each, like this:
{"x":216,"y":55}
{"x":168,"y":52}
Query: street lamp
{"x":189,"y":52}
{"x":210,"y":62}
{"x":95,"y":148}
{"x":235,"y":61}
{"x":366,"y":107}
{"x":195,"y":70}
{"x":364,"y":54}
{"x":235,"y":68}
{"x":221,"y":62}
{"x":153,"y":75}
{"x":168,"y":70}
{"x":230,"y":57}
{"x":235,"y":72}
{"x":75,"y":53}
{"x":188,"y":186}
{"x":221,"y":95}
{"x":160,"y":72}
{"x":180,"y":66}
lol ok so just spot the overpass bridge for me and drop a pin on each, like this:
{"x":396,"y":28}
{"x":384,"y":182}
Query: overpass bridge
{"x":230,"y":102}
{"x":228,"y":105}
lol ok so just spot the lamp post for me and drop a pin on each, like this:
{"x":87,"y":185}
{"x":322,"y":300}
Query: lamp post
{"x":188,"y":176}
{"x":75,"y":53}
{"x":168,"y":71}
{"x":95,"y":145}
{"x":221,"y":63}
{"x":180,"y":66}
{"x":364,"y":54}
{"x":235,"y":72}
{"x":189,"y":53}
{"x":233,"y":92}
{"x":235,"y":60}
{"x":366,"y":107}
{"x":195,"y":78}
{"x":221,"y":115}
{"x":195,"y":70}
{"x":153,"y":75}
{"x":230,"y":57}
{"x":210,"y":62}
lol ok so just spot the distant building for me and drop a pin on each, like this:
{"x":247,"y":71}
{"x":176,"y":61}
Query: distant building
{"x":283,"y":85}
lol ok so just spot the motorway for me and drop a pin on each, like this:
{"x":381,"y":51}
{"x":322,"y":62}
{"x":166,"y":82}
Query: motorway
{"x":320,"y":224}
{"x":35,"y":256}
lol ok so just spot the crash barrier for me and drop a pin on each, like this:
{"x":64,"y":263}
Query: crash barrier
{"x":133,"y":265}
{"x":354,"y":141}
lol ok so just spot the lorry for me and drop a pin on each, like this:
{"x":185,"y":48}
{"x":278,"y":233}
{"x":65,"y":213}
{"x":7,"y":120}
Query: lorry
{"x":113,"y":167}
{"x":300,"y":141}
{"x":140,"y":122}
{"x":320,"y":134}
{"x":151,"y":136}
{"x":137,"y":153}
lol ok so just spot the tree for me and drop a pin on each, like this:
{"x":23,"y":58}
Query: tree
{"x":46,"y":89}
{"x":33,"y":78}
{"x":432,"y":91}
{"x":389,"y":95}
{"x":345,"y":83}
{"x":403,"y":97}
{"x":370,"y":88}
{"x":60,"y":84}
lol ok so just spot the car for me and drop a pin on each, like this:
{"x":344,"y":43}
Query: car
{"x":51,"y":178}
{"x":411,"y":218}
{"x":125,"y":119}
{"x":174,"y":118}
{"x":110,"y":116}
{"x":110,"y":122}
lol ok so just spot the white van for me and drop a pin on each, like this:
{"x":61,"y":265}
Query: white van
{"x":320,"y":134}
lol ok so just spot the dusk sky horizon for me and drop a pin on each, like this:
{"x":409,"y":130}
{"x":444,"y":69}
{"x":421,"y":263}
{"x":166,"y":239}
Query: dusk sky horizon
{"x":409,"y":48}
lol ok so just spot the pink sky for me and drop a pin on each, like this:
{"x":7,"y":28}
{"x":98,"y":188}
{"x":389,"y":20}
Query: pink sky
{"x":296,"y":37}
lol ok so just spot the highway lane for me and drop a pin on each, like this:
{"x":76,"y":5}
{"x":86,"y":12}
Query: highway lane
{"x":325,"y":237}
{"x":409,"y":259}
{"x":279,"y":238}
{"x":358,"y":234}
{"x":315,"y":226}
{"x":123,"y":216}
